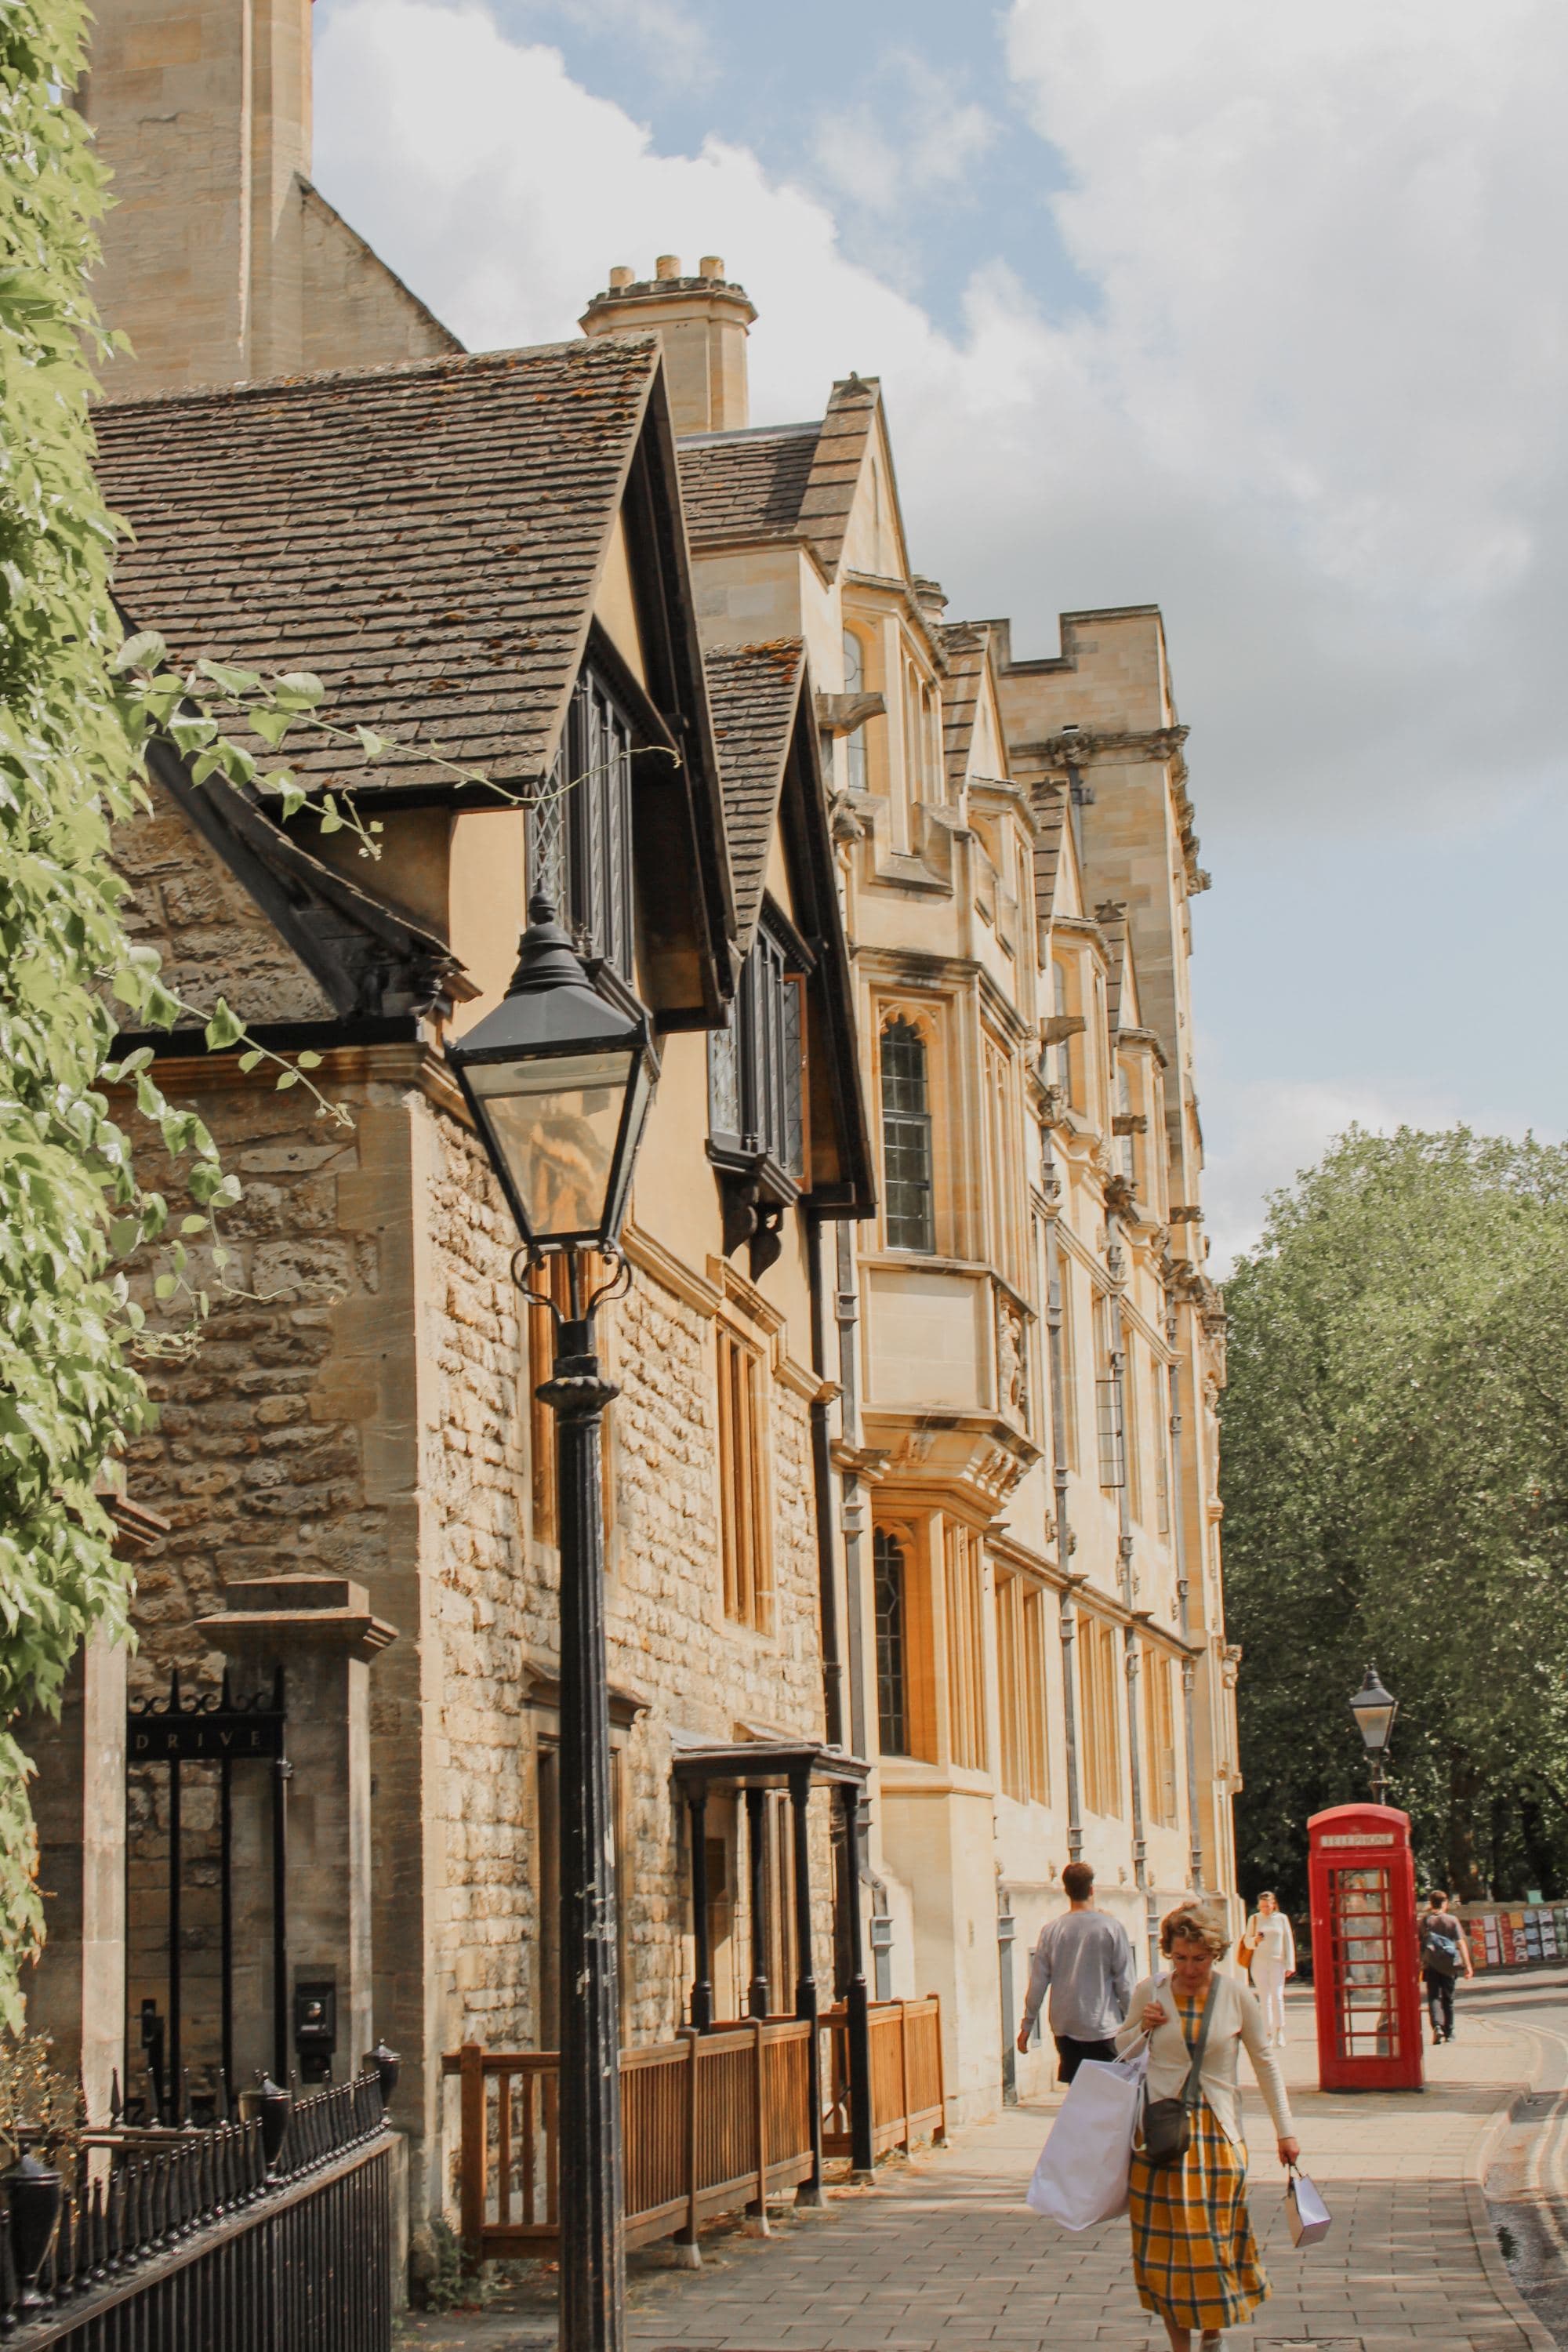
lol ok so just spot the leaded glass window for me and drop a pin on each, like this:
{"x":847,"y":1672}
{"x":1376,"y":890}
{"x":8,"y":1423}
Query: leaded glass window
{"x":893,"y":1644}
{"x":579,"y":833}
{"x":906,"y":1139}
{"x":756,"y":1068}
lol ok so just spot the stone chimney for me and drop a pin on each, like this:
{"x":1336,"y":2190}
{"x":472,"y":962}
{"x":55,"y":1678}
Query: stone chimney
{"x":702,"y":322}
{"x":203,"y":114}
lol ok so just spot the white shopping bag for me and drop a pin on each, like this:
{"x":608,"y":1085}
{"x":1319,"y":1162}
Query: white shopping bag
{"x":1305,"y":2210}
{"x":1081,"y":2177}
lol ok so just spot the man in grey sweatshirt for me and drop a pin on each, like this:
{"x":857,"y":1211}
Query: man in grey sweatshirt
{"x":1085,"y":1960}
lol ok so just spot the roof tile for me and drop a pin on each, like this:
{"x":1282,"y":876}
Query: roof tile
{"x":426,"y":538}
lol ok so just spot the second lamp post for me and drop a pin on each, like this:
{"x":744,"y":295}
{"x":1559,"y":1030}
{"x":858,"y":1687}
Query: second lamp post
{"x":560,"y":1080}
{"x":1375,"y":1709}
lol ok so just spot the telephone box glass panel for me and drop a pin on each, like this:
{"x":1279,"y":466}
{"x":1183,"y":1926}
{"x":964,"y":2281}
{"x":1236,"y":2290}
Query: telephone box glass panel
{"x":1361,"y":1916}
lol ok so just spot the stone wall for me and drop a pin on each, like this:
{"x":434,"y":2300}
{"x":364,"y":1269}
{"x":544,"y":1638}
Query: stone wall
{"x":359,"y":1405}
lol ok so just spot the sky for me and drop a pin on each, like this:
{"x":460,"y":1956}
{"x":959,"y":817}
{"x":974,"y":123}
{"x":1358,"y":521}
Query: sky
{"x":1258,"y":314}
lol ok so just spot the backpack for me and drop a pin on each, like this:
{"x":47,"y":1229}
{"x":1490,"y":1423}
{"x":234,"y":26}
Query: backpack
{"x":1442,"y":1950}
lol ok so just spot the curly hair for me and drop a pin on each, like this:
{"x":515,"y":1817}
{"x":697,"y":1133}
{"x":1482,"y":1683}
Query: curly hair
{"x":1194,"y":1923}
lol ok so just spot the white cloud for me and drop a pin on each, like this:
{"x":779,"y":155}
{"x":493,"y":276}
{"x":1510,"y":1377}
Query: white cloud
{"x":1275,"y":1127}
{"x":1315,"y":411}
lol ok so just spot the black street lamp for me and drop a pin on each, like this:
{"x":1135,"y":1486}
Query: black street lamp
{"x":1373,"y":1710}
{"x":560,"y":1080}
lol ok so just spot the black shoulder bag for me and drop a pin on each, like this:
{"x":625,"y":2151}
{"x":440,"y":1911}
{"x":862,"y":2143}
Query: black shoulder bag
{"x":1168,"y":2122}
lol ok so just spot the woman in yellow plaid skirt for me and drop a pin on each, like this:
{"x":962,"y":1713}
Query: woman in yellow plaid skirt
{"x":1193,"y":2252}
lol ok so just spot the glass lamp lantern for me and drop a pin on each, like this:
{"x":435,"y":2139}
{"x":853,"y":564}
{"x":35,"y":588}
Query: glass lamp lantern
{"x":559,"y":1081}
{"x":1375,"y":1709}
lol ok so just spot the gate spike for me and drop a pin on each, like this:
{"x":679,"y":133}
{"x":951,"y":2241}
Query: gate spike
{"x":173,"y":1690}
{"x":116,"y":2104}
{"x":226,"y":1696}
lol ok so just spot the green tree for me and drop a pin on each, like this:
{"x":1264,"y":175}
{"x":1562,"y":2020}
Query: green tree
{"x":71,"y":1211}
{"x":1395,"y":1468}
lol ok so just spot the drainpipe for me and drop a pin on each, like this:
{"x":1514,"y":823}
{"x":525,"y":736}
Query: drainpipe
{"x":822,"y":1485}
{"x":1178,"y":1520}
{"x":847,"y":1315}
{"x":1068,"y":1616}
{"x":1114,"y":1260}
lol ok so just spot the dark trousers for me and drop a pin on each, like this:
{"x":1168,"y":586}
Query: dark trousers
{"x":1439,"y":2001}
{"x":1070,"y":2054}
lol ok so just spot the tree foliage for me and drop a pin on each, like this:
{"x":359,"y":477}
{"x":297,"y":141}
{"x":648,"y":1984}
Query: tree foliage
{"x":1395,"y":1470}
{"x":71,"y":1211}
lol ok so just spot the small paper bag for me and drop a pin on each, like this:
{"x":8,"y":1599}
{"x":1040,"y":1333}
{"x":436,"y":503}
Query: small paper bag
{"x":1307,"y":2213}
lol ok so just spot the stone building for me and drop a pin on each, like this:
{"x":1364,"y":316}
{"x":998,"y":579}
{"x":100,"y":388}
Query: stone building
{"x":915,"y":1454}
{"x":1030,"y":1348}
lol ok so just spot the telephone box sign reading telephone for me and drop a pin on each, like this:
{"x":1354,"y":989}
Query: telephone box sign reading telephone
{"x":1366,"y":1978}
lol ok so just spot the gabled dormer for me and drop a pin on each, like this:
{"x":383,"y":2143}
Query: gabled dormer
{"x":484,"y":559}
{"x":786,"y":1120}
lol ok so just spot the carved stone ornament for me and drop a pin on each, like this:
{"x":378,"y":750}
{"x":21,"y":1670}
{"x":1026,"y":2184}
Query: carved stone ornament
{"x":1012,"y":1361}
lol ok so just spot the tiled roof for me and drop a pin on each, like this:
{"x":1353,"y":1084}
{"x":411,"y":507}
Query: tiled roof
{"x":783,"y":481}
{"x":753,"y":691}
{"x":964,"y":644}
{"x":747,"y":484}
{"x":835,"y":466}
{"x":425,"y":537}
{"x":1049,"y":803}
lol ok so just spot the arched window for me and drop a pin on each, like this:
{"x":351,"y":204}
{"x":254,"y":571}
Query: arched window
{"x":893,"y":1644}
{"x":906,"y":1139}
{"x":855,"y":683}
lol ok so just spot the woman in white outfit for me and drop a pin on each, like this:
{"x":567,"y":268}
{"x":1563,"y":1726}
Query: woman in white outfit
{"x":1273,"y":1959}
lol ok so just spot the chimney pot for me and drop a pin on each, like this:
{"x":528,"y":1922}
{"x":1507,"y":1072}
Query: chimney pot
{"x":712,"y":266}
{"x":621,"y":276}
{"x":668,"y":265}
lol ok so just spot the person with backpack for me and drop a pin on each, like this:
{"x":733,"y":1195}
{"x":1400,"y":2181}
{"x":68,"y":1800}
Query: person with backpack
{"x":1445,"y":1950}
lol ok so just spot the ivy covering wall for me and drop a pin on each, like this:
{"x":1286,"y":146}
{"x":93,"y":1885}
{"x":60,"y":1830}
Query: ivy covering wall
{"x":71,"y":1213}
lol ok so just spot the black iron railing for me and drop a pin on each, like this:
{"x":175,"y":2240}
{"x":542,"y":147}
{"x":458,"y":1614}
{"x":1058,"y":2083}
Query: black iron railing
{"x":269,"y":2233}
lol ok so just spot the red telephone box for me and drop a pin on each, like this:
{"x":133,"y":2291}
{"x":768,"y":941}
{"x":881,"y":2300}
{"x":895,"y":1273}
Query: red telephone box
{"x":1366,"y":1977}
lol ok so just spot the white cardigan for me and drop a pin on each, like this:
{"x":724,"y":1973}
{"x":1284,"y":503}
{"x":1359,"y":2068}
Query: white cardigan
{"x":1237,"y":2019}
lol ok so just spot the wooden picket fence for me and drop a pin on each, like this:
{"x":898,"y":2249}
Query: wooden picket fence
{"x":711,"y":2123}
{"x":908,"y":2098}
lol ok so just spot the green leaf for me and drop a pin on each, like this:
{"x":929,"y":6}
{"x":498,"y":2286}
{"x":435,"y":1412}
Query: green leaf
{"x":373,"y":745}
{"x":165,"y":1287}
{"x":236,"y":683}
{"x":308,"y":1060}
{"x":144,"y":651}
{"x":270,"y":725}
{"x":225,"y":1028}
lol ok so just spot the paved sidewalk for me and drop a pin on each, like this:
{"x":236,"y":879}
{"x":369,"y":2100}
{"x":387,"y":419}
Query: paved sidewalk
{"x":944,"y":2252}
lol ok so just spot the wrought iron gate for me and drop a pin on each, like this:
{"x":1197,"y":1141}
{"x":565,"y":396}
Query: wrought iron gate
{"x":222,"y":1730}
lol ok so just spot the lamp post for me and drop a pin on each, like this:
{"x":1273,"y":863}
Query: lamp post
{"x":1373,"y":1710}
{"x":559,"y":1080}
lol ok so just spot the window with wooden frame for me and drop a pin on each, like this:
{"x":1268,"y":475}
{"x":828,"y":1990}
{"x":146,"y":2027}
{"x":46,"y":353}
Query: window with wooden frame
{"x":1160,"y":1733}
{"x":1068,"y":1342}
{"x":1162,"y":1418}
{"x":1021,"y":1687}
{"x":1107,"y":1401}
{"x":742,"y":1483}
{"x":1132,"y":1413}
{"x":552,"y":1277}
{"x":1100,"y":1684}
{"x":889,"y":1585}
{"x":908,"y":1191}
{"x":756,"y":1067}
{"x":900,"y":1598}
{"x":580,"y":831}
{"x":1003,"y":1155}
{"x":962,"y":1590}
